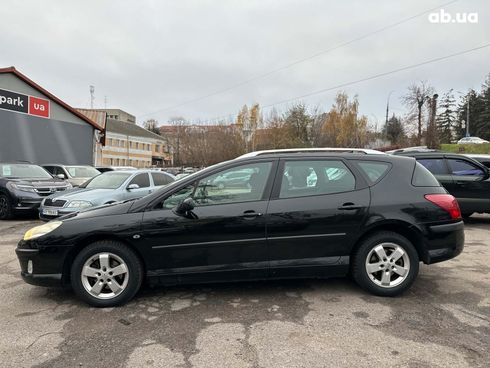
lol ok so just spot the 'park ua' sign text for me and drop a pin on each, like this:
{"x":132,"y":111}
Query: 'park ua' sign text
{"x":25,"y":104}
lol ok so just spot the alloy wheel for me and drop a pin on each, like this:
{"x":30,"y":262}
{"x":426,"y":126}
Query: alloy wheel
{"x":387,"y":265}
{"x":105,"y":275}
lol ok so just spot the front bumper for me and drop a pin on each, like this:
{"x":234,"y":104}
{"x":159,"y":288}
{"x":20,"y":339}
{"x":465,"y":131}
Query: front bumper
{"x":61,"y":212}
{"x":26,"y":201}
{"x":444,"y":241}
{"x":47,"y":264}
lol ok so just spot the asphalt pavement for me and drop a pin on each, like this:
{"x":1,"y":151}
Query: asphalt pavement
{"x":443,"y":321}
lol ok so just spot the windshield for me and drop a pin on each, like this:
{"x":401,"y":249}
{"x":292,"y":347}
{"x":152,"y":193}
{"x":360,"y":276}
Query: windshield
{"x":108,"y":180}
{"x":82,"y":171}
{"x":23,"y":171}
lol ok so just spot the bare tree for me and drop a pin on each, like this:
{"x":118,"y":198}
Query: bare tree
{"x":414,"y":100}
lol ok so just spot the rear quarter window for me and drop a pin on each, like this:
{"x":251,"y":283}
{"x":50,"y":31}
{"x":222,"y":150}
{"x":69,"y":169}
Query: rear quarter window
{"x":422,"y":177}
{"x":373,"y":170}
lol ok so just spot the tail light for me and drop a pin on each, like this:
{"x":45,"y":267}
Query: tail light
{"x":447,"y":202}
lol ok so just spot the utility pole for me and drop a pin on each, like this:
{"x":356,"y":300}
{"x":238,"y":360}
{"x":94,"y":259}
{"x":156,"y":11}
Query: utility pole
{"x":432,"y":141}
{"x":388,"y":106}
{"x":468,"y":117}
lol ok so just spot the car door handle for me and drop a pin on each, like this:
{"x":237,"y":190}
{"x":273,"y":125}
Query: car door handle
{"x":350,"y":206}
{"x":251,"y":214}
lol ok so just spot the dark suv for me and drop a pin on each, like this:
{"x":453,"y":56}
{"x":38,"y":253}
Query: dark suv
{"x":23,"y":186}
{"x":374,"y":216}
{"x":465,"y":178}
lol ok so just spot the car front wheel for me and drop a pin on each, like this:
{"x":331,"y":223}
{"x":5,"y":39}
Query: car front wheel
{"x":106,"y":274}
{"x":385,"y":264}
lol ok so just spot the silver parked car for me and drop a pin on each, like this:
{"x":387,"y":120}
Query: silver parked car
{"x":472,"y":140}
{"x":109,"y":187}
{"x":74,"y":174}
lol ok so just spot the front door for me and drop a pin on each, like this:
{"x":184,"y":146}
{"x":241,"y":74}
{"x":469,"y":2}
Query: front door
{"x":222,"y":238}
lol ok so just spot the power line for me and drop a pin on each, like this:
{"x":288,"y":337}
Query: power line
{"x":299,"y":61}
{"x":375,"y":76}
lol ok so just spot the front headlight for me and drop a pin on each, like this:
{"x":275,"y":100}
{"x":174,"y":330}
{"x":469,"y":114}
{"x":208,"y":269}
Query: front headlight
{"x":39,"y":231}
{"x":79,"y":204}
{"x":23,"y":187}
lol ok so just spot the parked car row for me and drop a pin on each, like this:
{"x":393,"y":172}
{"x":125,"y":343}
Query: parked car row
{"x":55,"y":190}
{"x":275,"y":214}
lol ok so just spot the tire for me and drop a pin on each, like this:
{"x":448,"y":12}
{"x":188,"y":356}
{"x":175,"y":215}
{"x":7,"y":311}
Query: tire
{"x":6,"y":211}
{"x":104,"y":259}
{"x":369,"y":256}
{"x":466,"y":215}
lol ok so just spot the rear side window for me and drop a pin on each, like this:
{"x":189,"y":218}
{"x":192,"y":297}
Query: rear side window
{"x":373,"y":170}
{"x":423,"y":177}
{"x":161,"y":179}
{"x":318,"y":177}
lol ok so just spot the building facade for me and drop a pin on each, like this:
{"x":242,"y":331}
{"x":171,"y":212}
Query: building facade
{"x":128,"y":144}
{"x":38,"y":127}
{"x":118,"y":114}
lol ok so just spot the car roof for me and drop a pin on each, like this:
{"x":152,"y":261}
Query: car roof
{"x":313,"y":150}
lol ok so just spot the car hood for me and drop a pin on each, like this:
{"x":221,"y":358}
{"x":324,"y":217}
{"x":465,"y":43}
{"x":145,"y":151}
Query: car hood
{"x":111,"y":209}
{"x":84,"y":194}
{"x":41,"y":183}
{"x":78,"y":181}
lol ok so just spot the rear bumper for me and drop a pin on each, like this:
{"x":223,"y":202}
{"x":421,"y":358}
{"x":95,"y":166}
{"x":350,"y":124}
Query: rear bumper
{"x":444,"y":241}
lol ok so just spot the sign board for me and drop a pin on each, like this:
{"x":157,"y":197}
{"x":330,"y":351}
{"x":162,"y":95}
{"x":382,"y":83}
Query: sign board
{"x":25,"y":104}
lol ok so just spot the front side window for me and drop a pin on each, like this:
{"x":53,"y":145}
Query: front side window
{"x":461,"y":167}
{"x":142,"y":180}
{"x":435,"y":165}
{"x":243,"y":183}
{"x":315,"y":177}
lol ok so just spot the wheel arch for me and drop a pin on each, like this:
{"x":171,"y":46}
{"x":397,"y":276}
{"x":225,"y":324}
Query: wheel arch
{"x":82,"y":243}
{"x":409,"y":231}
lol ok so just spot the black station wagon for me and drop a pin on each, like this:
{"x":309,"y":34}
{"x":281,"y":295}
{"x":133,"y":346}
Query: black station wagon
{"x":302,"y":214}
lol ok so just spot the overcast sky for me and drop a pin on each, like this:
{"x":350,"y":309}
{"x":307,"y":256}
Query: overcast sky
{"x":147,"y":56}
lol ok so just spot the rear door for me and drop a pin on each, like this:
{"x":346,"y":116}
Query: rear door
{"x":315,"y":212}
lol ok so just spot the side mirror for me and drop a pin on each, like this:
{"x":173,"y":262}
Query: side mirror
{"x":132,"y":186}
{"x":185,"y":206}
{"x":61,"y":176}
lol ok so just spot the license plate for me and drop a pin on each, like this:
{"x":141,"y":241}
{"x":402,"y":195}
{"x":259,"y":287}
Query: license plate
{"x":49,"y":212}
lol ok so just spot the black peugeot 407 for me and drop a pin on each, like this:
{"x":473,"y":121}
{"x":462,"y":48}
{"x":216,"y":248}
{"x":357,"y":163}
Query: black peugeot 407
{"x":301,"y":215}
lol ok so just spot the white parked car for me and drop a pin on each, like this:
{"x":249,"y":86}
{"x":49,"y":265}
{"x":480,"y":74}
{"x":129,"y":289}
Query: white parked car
{"x":472,"y":140}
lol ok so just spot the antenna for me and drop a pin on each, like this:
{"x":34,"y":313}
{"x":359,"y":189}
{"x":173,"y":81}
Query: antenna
{"x":92,"y":96}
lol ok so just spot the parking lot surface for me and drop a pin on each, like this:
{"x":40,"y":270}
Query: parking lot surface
{"x":443,"y":321}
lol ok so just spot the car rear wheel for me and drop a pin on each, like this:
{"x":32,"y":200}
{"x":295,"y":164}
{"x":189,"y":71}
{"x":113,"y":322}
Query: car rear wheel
{"x":385,"y":264}
{"x":106,"y":274}
{"x":5,"y":207}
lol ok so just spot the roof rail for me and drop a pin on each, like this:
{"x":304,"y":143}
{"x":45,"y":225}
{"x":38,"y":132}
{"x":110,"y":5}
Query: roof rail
{"x":313,"y":150}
